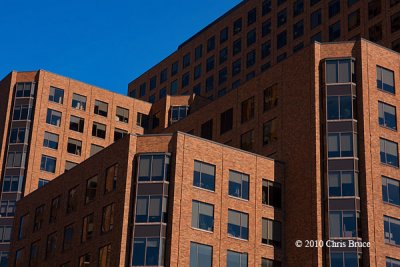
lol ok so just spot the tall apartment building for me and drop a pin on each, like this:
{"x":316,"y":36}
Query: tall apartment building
{"x":48,"y":124}
{"x":257,"y":34}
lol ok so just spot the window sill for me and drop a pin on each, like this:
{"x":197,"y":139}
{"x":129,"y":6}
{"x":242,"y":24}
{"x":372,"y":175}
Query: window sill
{"x":202,"y":230}
{"x":389,"y":165}
{"x":271,"y":207}
{"x":238,"y":238}
{"x":391,"y":204}
{"x":393,"y":245}
{"x":238,"y":198}
{"x":343,"y":197}
{"x":388,"y":128}
{"x":387,"y":92}
{"x":204,"y":189}
{"x":58,"y":126}
{"x":56,"y":103}
{"x":269,"y":246}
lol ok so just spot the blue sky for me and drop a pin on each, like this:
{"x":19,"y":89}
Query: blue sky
{"x":104,"y":43}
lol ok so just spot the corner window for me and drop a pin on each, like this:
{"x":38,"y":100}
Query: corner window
{"x":25,"y":90}
{"x":391,"y":191}
{"x":153,"y":168}
{"x":79,"y":102}
{"x":236,"y":259}
{"x":100,"y":108}
{"x":149,"y":209}
{"x":56,"y":95}
{"x":339,"y":107}
{"x":387,"y":115}
{"x":339,"y":71}
{"x":178,"y":113}
{"x":19,"y":135}
{"x":340,"y":145}
{"x":200,"y":255}
{"x":12,"y":183}
{"x":22,"y":112}
{"x":146,"y":251}
{"x":389,"y":152}
{"x":271,"y":193}
{"x":271,"y":232}
{"x":204,"y":175}
{"x":202,"y":216}
{"x":238,"y":224}
{"x":385,"y":79}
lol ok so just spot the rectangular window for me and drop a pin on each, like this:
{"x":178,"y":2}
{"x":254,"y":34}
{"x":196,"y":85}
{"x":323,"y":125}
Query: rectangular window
{"x":34,"y":254}
{"x":76,"y":124}
{"x":236,"y":259}
{"x":339,"y":71}
{"x":12,"y":183}
{"x":298,"y":7}
{"x":19,"y":257}
{"x":343,"y":183}
{"x":223,"y":76}
{"x":223,"y":35}
{"x":353,"y":20}
{"x":392,"y":262}
{"x":270,"y":132}
{"x":163,"y":75}
{"x":247,"y":109}
{"x":153,"y":168}
{"x":15,"y":159}
{"x":79,"y":102}
{"x":163,"y":93}
{"x":204,"y":175}
{"x":69,"y":165}
{"x":339,"y":107}
{"x":146,"y":251}
{"x":266,"y":7}
{"x":153,"y":82}
{"x":202,"y":216}
{"x":271,"y":232}
{"x":391,"y":191}
{"x":91,"y":188}
{"x":251,"y":37}
{"x":25,"y":90}
{"x":236,"y":67}
{"x":7,"y":209}
{"x":22,"y":112}
{"x":198,"y":52}
{"x":149,"y":209}
{"x":385,"y":79}
{"x":19,"y":135}
{"x":186,"y":60}
{"x":185,"y":79}
{"x":237,"y":46}
{"x":375,"y":33}
{"x":56,"y":95}
{"x":343,"y":223}
{"x":53,"y":117}
{"x":247,"y":140}
{"x":395,"y":22}
{"x":100,"y":108}
{"x":281,"y":39}
{"x":178,"y":113}
{"x":174,"y":68}
{"x":271,"y":193}
{"x":142,"y":89}
{"x":122,"y":115}
{"x":237,"y":26}
{"x":223,"y":55}
{"x":111,"y":179}
{"x":211,"y":44}
{"x":251,"y":16}
{"x":389,"y":152}
{"x":105,"y":256}
{"x":72,"y":202}
{"x":334,"y":31}
{"x":142,"y":120}
{"x":50,"y":140}
{"x":119,"y":134}
{"x":281,"y":17}
{"x":99,"y":130}
{"x":107,"y":221}
{"x":54,"y":208}
{"x":210,"y":63}
{"x":84,"y":260}
{"x":48,"y":164}
{"x":174,"y":87}
{"x":251,"y":59}
{"x":207,"y":130}
{"x":334,"y":8}
{"x":51,"y":245}
{"x":200,"y":255}
{"x":38,"y":222}
{"x":316,"y":19}
{"x":68,"y":236}
{"x":239,"y":185}
{"x":270,"y":263}
{"x":298,"y":29}
{"x":226,"y":121}
{"x":197,"y":72}
{"x":387,"y":115}
{"x":238,"y":224}
{"x":266,"y":28}
{"x":74,"y":147}
{"x":87,"y":228}
{"x":340,"y":145}
{"x":210,"y":84}
{"x":392,"y":230}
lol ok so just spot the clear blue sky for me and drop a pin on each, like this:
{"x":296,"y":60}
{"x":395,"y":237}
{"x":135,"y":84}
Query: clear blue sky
{"x":104,"y":43}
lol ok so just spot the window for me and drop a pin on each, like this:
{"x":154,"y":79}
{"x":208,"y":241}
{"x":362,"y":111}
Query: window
{"x":271,"y":193}
{"x":202,"y":216}
{"x":223,"y":35}
{"x":56,"y":95}
{"x":339,"y":71}
{"x":238,"y":224}
{"x":280,"y":2}
{"x":376,"y":33}
{"x":339,"y":107}
{"x":111,"y":179}
{"x":84,"y":260}
{"x":265,"y":49}
{"x":185,"y":79}
{"x":163,"y":75}
{"x":226,"y":121}
{"x":247,"y":140}
{"x":389,"y":152}
{"x":392,"y":262}
{"x":210,"y":84}
{"x":197,"y":72}
{"x":153,"y":168}
{"x":79,"y":101}
{"x":374,"y":8}
{"x":5,"y":234}
{"x":53,"y":117}
{"x":122,"y":115}
{"x":316,"y":37}
{"x":345,"y":259}
{"x":99,"y":130}
{"x":210,"y":63}
{"x":51,"y":245}
{"x":68,"y":235}
{"x":251,"y":37}
{"x":353,"y":20}
{"x":271,"y":232}
{"x":42,"y":182}
{"x":146,"y":251}
{"x":72,"y":201}
{"x":238,"y":185}
{"x":342,"y":183}
{"x":281,"y":17}
{"x":198,"y":52}
{"x":270,"y":134}
{"x":142,"y":120}
{"x":236,"y":259}
{"x":95,"y":149}
{"x":23,"y":229}
{"x":22,"y":112}
{"x":211,"y":44}
{"x":237,"y":46}
{"x":334,"y":8}
{"x":340,"y":145}
{"x":281,"y":39}
{"x":91,"y":188}
{"x":15,"y":159}
{"x":107,"y":221}
{"x":54,"y":208}
{"x":251,"y":16}
{"x":392,"y":230}
{"x":204,"y":175}
{"x":153,"y":82}
{"x":298,"y":7}
{"x":69,"y":165}
{"x":391,"y":191}
{"x":236,"y":67}
{"x":76,"y":124}
{"x":119,"y":134}
{"x":7,"y":209}
{"x":316,"y":18}
{"x":197,"y":89}
{"x":174,"y":87}
{"x":186,"y":60}
{"x":343,"y":223}
{"x":387,"y":115}
{"x":155,"y":120}
{"x":132,"y":93}
{"x":150,"y":209}
{"x":393,"y":3}
{"x":298,"y":29}
{"x":163,"y":93}
{"x":25,"y":90}
{"x":142,"y":89}
{"x":223,"y":55}
{"x":385,"y":79}
{"x":87,"y":228}
{"x":334,"y":31}
{"x":247,"y":109}
{"x":174,"y":68}
{"x":200,"y":255}
{"x":266,"y":7}
{"x":207,"y":130}
{"x":266,"y":28}
{"x":48,"y":164}
{"x":222,"y":76}
{"x":19,"y":135}
{"x":50,"y":140}
{"x":105,"y":256}
{"x":178,"y":113}
{"x":251,"y":59}
{"x":237,"y":26}
{"x":100,"y":108}
{"x":34,"y":254}
{"x":298,"y":47}
{"x":74,"y":147}
{"x":270,"y":263}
